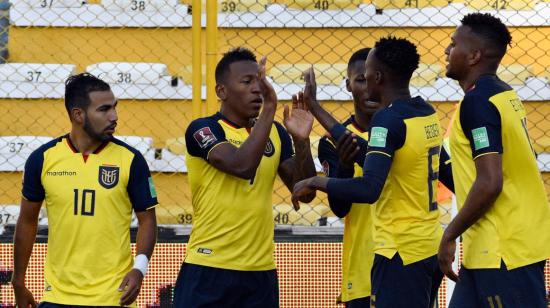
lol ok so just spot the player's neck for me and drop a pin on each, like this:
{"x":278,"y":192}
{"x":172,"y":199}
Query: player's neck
{"x":362,"y":119}
{"x":471,"y":78}
{"x":391,"y":95}
{"x":234,"y":118}
{"x":83,"y":143}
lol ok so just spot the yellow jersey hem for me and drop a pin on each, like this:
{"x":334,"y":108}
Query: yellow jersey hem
{"x":230,"y":266}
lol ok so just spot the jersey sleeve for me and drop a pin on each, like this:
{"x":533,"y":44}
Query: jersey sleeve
{"x":328,"y":157}
{"x":480,"y":121}
{"x":387,"y":134}
{"x":32,"y":177}
{"x":141,"y":189}
{"x":202,"y":135}
{"x":286,"y":143}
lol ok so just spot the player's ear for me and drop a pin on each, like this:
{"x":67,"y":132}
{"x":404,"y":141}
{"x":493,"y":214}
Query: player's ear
{"x":378,"y":76}
{"x":348,"y":87}
{"x":475,"y":57}
{"x":220,"y":91}
{"x":77,"y":115}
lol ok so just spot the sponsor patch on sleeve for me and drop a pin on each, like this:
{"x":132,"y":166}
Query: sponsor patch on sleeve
{"x":378,"y":136}
{"x":481,"y":139}
{"x":152,"y":189}
{"x":204,"y":137}
{"x":326,"y":167}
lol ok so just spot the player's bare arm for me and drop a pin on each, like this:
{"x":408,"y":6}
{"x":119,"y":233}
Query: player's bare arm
{"x":25,"y":234}
{"x":244,"y":160}
{"x":310,"y":98}
{"x":146,"y":239}
{"x":485,"y":190}
{"x":298,"y":122}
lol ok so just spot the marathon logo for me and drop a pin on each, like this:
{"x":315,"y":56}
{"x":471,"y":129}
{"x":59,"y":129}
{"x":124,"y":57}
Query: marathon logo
{"x":61,"y":173}
{"x":108,"y":176}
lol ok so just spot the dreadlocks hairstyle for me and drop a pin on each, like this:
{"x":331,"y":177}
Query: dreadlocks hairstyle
{"x":358,"y":56}
{"x":398,"y":54}
{"x":234,"y":55}
{"x":78,"y":88}
{"x":490,"y":28}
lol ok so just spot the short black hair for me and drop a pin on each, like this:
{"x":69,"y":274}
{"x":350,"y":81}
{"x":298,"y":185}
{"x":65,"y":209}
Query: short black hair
{"x":489,"y":28}
{"x":359,"y":55}
{"x":233,"y":55}
{"x":398,"y":54}
{"x":78,"y":88}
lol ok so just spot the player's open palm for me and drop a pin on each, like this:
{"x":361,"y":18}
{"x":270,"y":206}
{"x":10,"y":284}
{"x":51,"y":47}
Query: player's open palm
{"x":299,"y":120}
{"x":310,"y":90}
{"x":131,"y":284}
{"x":268,"y":93}
{"x":23,"y":297}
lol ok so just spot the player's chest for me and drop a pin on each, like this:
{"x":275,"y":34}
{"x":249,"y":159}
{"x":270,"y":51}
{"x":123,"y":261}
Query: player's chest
{"x":107,"y":175}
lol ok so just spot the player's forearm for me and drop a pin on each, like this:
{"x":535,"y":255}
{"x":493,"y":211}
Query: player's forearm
{"x":305,"y":167}
{"x":24,"y":237}
{"x":248,"y":156}
{"x":325,"y":118}
{"x":147,"y":233}
{"x":480,"y":199}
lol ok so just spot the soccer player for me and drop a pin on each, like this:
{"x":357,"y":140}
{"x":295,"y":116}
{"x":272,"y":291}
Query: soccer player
{"x":504,"y":215}
{"x":400,"y":175}
{"x":234,"y":157}
{"x":91,"y":183}
{"x":338,"y":160}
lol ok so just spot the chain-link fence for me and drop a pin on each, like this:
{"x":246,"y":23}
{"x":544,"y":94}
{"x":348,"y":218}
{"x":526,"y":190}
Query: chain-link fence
{"x":143,"y":49}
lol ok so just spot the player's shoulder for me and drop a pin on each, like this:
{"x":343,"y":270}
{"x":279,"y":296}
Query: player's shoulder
{"x":47,"y":146}
{"x":125,"y":146}
{"x":212,"y":120}
{"x":484,"y":88}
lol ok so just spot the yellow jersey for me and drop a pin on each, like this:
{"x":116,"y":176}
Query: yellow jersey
{"x":233,"y":225}
{"x":406,"y":216}
{"x":358,"y":244}
{"x":491,"y":119}
{"x":89,"y":200}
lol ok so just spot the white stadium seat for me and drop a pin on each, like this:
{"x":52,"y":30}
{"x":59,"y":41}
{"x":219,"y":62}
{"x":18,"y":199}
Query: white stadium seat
{"x":169,"y":162}
{"x":36,"y":72}
{"x":128,"y":72}
{"x":43,"y":4}
{"x":34,"y":80}
{"x":14,"y":150}
{"x":142,"y":144}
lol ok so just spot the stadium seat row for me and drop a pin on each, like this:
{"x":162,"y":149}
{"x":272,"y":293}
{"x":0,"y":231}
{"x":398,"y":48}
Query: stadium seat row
{"x":14,"y":151}
{"x":137,"y":80}
{"x":267,"y":13}
{"x":262,"y":5}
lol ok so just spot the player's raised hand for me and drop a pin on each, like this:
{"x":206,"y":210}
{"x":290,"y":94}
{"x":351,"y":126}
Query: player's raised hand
{"x":268,"y":93}
{"x":446,"y":256}
{"x":310,"y":90}
{"x":347,"y":149}
{"x":298,"y":121}
{"x":131,"y":285}
{"x":23,"y":297}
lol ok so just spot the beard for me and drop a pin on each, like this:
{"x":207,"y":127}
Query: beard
{"x":98,"y":136}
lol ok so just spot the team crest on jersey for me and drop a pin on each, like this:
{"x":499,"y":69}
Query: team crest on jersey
{"x":108,"y":176}
{"x":204,"y":137}
{"x":269,"y":149}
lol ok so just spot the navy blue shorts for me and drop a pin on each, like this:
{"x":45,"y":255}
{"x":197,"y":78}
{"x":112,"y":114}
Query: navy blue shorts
{"x":395,"y":285}
{"x":501,"y":288}
{"x":363,"y":302}
{"x":203,"y":286}
{"x":53,"y":305}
